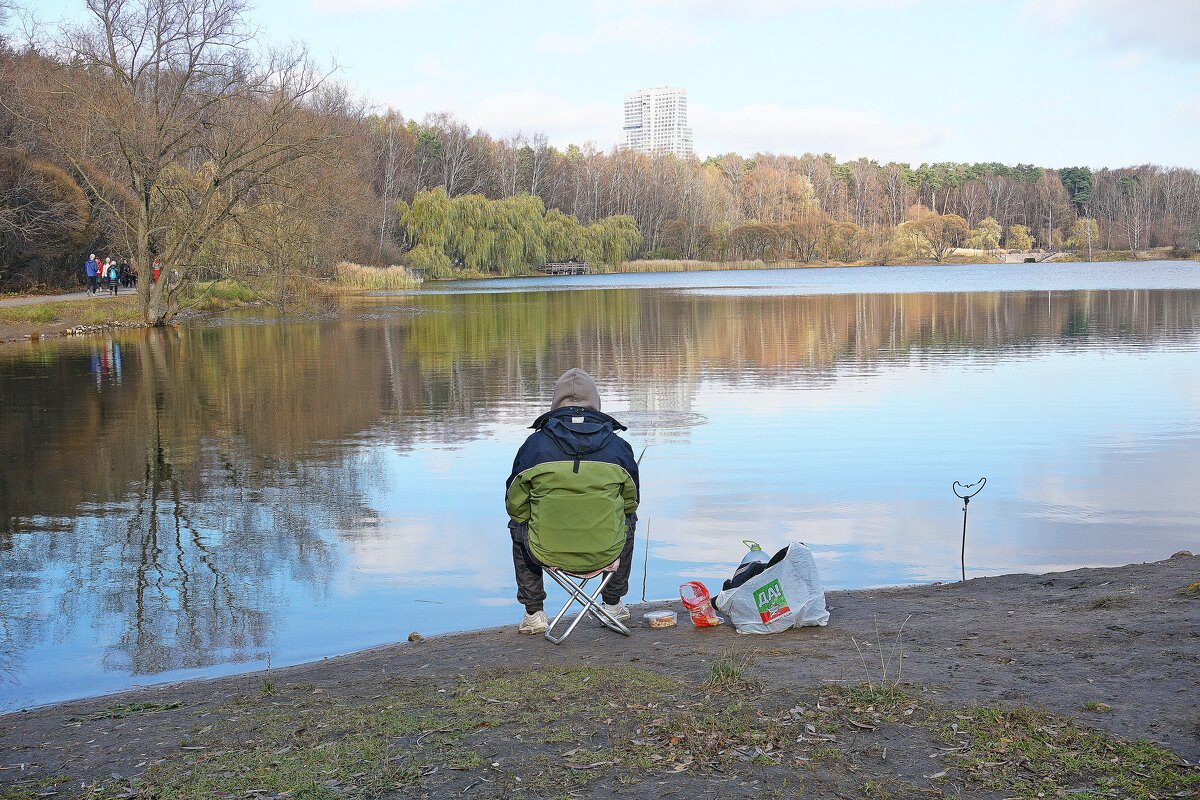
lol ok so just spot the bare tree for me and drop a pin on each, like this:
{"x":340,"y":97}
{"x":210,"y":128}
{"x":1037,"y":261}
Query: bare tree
{"x":172,"y":99}
{"x":539,"y":147}
{"x":508,"y":163}
{"x":458,"y":153}
{"x":896,"y":185}
{"x":1136,"y":200}
{"x":390,"y":164}
{"x":863,"y":178}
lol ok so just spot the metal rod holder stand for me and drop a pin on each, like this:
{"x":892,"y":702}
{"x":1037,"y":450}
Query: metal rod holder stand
{"x":965,"y":491}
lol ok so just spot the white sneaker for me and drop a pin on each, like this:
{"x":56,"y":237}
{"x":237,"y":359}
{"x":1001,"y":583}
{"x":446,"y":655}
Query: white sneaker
{"x":618,"y":610}
{"x":534,"y":623}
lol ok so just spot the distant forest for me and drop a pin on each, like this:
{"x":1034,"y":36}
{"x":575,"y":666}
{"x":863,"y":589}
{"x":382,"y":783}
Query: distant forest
{"x":221,"y":160}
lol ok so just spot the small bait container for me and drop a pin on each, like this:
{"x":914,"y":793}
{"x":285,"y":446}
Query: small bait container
{"x":661,"y":619}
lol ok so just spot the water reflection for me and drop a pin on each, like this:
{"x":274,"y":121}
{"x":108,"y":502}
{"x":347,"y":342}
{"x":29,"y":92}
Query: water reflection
{"x":179,"y":502}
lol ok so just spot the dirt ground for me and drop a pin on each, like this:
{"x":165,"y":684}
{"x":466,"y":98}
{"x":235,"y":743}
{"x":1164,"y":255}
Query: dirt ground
{"x":1007,"y":686}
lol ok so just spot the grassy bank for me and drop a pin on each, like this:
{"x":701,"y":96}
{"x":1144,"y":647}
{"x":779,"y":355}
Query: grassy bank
{"x":556,"y":731}
{"x":1016,"y":686}
{"x":53,"y":318}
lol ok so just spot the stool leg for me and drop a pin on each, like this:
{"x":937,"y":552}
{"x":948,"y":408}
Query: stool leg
{"x":603,"y":617}
{"x":567,"y":584}
{"x":590,"y":606}
{"x":577,"y":595}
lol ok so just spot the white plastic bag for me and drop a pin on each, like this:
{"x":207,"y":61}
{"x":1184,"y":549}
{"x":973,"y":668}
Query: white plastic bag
{"x":784,"y":595}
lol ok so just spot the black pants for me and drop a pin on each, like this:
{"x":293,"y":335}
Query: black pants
{"x":531,"y":592}
{"x":93,"y":284}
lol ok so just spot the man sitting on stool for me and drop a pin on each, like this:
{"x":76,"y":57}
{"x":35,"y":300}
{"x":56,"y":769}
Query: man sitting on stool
{"x":574,"y":480}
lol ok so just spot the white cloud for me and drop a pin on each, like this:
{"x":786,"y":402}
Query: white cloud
{"x":635,"y":27}
{"x":658,"y":25}
{"x":367,"y":5}
{"x":1188,"y":109}
{"x":1130,"y":59}
{"x":760,"y":127}
{"x":1169,"y":27}
{"x":763,"y":8}
{"x":561,"y":120}
{"x":769,"y":127}
{"x":428,"y":66}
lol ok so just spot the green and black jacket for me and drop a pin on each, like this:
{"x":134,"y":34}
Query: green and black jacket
{"x":573,"y":483}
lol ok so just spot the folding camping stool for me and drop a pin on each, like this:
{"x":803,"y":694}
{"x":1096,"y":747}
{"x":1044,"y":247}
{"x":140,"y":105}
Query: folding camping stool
{"x":575,"y":584}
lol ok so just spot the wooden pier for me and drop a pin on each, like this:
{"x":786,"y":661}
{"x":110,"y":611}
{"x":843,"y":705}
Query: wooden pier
{"x":565,"y":268}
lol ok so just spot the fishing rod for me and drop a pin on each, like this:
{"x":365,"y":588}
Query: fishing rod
{"x":646,"y":551}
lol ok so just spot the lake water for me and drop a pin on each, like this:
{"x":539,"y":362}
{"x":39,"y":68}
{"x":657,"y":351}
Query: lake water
{"x":192,"y":501}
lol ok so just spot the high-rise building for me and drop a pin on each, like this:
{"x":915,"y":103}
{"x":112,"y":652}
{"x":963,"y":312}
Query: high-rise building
{"x":656,"y":121}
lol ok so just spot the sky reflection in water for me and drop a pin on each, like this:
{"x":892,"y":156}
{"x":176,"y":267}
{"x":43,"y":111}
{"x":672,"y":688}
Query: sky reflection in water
{"x":184,"y":503}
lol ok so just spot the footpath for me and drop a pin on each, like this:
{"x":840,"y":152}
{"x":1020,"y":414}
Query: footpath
{"x":32,"y":300}
{"x":1082,"y":684}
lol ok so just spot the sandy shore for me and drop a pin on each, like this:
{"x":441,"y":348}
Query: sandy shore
{"x":1088,"y":660}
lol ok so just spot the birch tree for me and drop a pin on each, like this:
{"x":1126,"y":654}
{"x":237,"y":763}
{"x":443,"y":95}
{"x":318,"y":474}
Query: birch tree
{"x":459,"y":154}
{"x":1084,"y":235}
{"x":389,"y":177}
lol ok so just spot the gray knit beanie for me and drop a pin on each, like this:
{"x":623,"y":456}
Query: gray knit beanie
{"x":575,"y":388}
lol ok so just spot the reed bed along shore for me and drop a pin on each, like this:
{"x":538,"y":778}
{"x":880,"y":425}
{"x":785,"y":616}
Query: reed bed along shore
{"x":379,"y":279}
{"x":681,"y":265}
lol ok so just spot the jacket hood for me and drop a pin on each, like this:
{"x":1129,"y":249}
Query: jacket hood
{"x":577,"y":431}
{"x":575,"y":388}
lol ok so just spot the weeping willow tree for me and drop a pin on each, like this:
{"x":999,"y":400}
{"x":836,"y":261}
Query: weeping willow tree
{"x":506,"y":236}
{"x":472,"y":238}
{"x":521,"y":233}
{"x":612,"y":240}
{"x":430,"y":260}
{"x":563,"y":236}
{"x":427,"y":220}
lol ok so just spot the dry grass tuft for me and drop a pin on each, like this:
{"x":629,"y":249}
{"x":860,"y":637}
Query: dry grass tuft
{"x":379,"y":279}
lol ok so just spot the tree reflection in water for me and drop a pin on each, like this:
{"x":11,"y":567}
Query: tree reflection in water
{"x":174,"y":490}
{"x":154,"y":515}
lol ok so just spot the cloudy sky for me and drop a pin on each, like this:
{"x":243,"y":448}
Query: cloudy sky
{"x":1052,"y":82}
